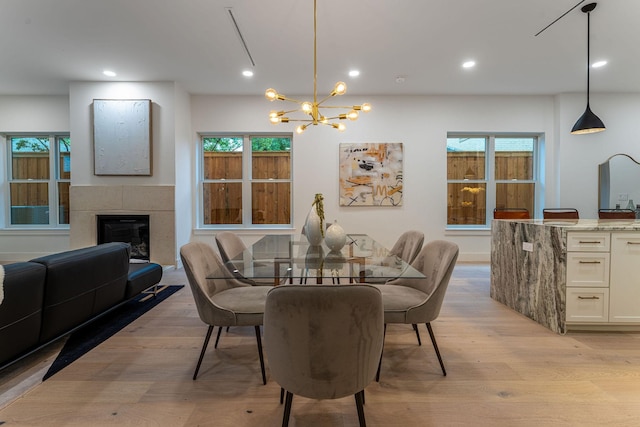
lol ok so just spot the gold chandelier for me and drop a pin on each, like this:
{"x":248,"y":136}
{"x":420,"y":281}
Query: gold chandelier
{"x":313,"y":109}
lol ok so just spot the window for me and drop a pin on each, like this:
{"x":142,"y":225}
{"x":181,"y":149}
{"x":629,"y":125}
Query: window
{"x":245,"y":170}
{"x":489,"y":171}
{"x":39,"y":179}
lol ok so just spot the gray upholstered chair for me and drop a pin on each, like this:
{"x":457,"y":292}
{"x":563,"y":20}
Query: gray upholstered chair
{"x":406,"y":248}
{"x":413,"y":301}
{"x":323,"y":341}
{"x":221,"y":302}
{"x":230,"y":246}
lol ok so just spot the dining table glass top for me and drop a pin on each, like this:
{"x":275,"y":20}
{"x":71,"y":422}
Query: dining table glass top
{"x":290,"y":258}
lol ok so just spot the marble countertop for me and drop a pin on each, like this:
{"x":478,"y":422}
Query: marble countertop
{"x":584,"y":224}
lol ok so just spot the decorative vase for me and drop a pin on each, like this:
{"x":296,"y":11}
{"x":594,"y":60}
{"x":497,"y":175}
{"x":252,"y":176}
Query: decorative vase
{"x":335,"y":237}
{"x":334,"y":260}
{"x":314,"y":257}
{"x":313,"y":226}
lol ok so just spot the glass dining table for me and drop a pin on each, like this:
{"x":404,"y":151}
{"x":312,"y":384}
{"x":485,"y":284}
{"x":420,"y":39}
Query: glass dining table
{"x":288,"y":258}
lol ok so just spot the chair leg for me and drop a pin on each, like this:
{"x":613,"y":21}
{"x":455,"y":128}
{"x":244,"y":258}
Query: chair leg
{"x":415,"y":328}
{"x":218,"y":337}
{"x":264,"y":377}
{"x":287,"y":409}
{"x":360,"y":406}
{"x":204,"y":347}
{"x":281,"y":395}
{"x":384,"y":334}
{"x":435,"y":346}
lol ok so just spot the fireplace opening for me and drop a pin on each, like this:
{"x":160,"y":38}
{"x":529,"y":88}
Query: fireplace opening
{"x":132,"y":229}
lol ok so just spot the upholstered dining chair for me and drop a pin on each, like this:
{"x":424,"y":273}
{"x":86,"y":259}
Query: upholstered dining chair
{"x":616,"y":214}
{"x":230,"y":246}
{"x":511,"y":213}
{"x":221,"y":302}
{"x":413,"y":301}
{"x":406,"y":248}
{"x":323,"y":341}
{"x":560,"y":213}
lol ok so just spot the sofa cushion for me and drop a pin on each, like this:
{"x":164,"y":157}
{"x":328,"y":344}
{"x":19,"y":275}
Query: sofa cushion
{"x":141,"y":277}
{"x":81,"y":284}
{"x":21,"y":309}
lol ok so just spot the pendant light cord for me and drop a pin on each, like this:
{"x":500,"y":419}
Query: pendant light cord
{"x":588,"y":54}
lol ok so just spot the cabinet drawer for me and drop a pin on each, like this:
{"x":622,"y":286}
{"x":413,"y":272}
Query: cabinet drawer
{"x":588,"y":305}
{"x":588,"y":269}
{"x":588,"y":242}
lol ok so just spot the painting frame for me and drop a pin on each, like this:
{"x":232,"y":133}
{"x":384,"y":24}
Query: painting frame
{"x":371,"y":174}
{"x":122,"y":137}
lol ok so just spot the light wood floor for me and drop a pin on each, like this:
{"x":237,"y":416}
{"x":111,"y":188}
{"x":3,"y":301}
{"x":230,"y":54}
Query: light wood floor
{"x":503,"y":370}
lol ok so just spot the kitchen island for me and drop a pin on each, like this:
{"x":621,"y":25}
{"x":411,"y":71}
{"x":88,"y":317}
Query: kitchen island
{"x":569,"y":275}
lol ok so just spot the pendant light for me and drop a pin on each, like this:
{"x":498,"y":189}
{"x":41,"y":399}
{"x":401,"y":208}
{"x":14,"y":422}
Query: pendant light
{"x":588,"y":122}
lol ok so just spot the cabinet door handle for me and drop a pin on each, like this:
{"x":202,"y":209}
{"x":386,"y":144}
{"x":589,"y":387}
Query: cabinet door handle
{"x":591,"y":297}
{"x":633,"y":243}
{"x":594,"y":242}
{"x":589,"y":262}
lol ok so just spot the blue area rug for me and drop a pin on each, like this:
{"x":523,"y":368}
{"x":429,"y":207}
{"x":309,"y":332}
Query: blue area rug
{"x":86,"y":338}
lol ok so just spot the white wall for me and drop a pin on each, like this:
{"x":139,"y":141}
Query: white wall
{"x":29,"y":114}
{"x":185,"y":170}
{"x":580,"y":155}
{"x":420,"y":122}
{"x":163,"y":122}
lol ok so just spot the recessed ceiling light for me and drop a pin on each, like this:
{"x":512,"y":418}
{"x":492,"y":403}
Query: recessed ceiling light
{"x":247,"y":73}
{"x":469,"y":64}
{"x":599,"y":64}
{"x":109,"y":73}
{"x":354,"y":73}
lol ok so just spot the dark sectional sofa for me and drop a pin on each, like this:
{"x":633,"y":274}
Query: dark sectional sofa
{"x":48,"y":297}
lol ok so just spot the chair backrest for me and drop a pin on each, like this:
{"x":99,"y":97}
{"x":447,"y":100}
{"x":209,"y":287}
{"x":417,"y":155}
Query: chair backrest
{"x":323,"y":341}
{"x":229,"y":244}
{"x":560,"y":213}
{"x":436,"y":261}
{"x":408,"y":245}
{"x":511,"y":213}
{"x":200,"y":262}
{"x":616,"y":214}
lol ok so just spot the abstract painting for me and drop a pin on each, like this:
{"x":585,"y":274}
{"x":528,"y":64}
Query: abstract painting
{"x":122,"y":136}
{"x":371,"y":174}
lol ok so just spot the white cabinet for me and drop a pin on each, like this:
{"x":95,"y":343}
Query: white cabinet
{"x":624,"y":292}
{"x":588,"y":275}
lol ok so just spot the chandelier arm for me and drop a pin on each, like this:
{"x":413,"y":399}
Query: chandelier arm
{"x":301,"y":120}
{"x":285,"y":98}
{"x":337,"y":106}
{"x":290,"y":111}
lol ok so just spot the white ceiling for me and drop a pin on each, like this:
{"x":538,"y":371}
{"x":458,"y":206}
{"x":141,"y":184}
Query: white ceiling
{"x":45,"y":44}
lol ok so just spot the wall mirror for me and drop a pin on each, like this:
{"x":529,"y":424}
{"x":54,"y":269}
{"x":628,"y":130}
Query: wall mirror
{"x":618,"y":181}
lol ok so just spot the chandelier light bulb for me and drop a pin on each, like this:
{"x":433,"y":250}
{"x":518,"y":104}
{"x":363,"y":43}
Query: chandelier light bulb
{"x":271,"y":94}
{"x":307,"y":107}
{"x":366,"y":107}
{"x":300,"y":129}
{"x":339,"y":89}
{"x":352,"y":115}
